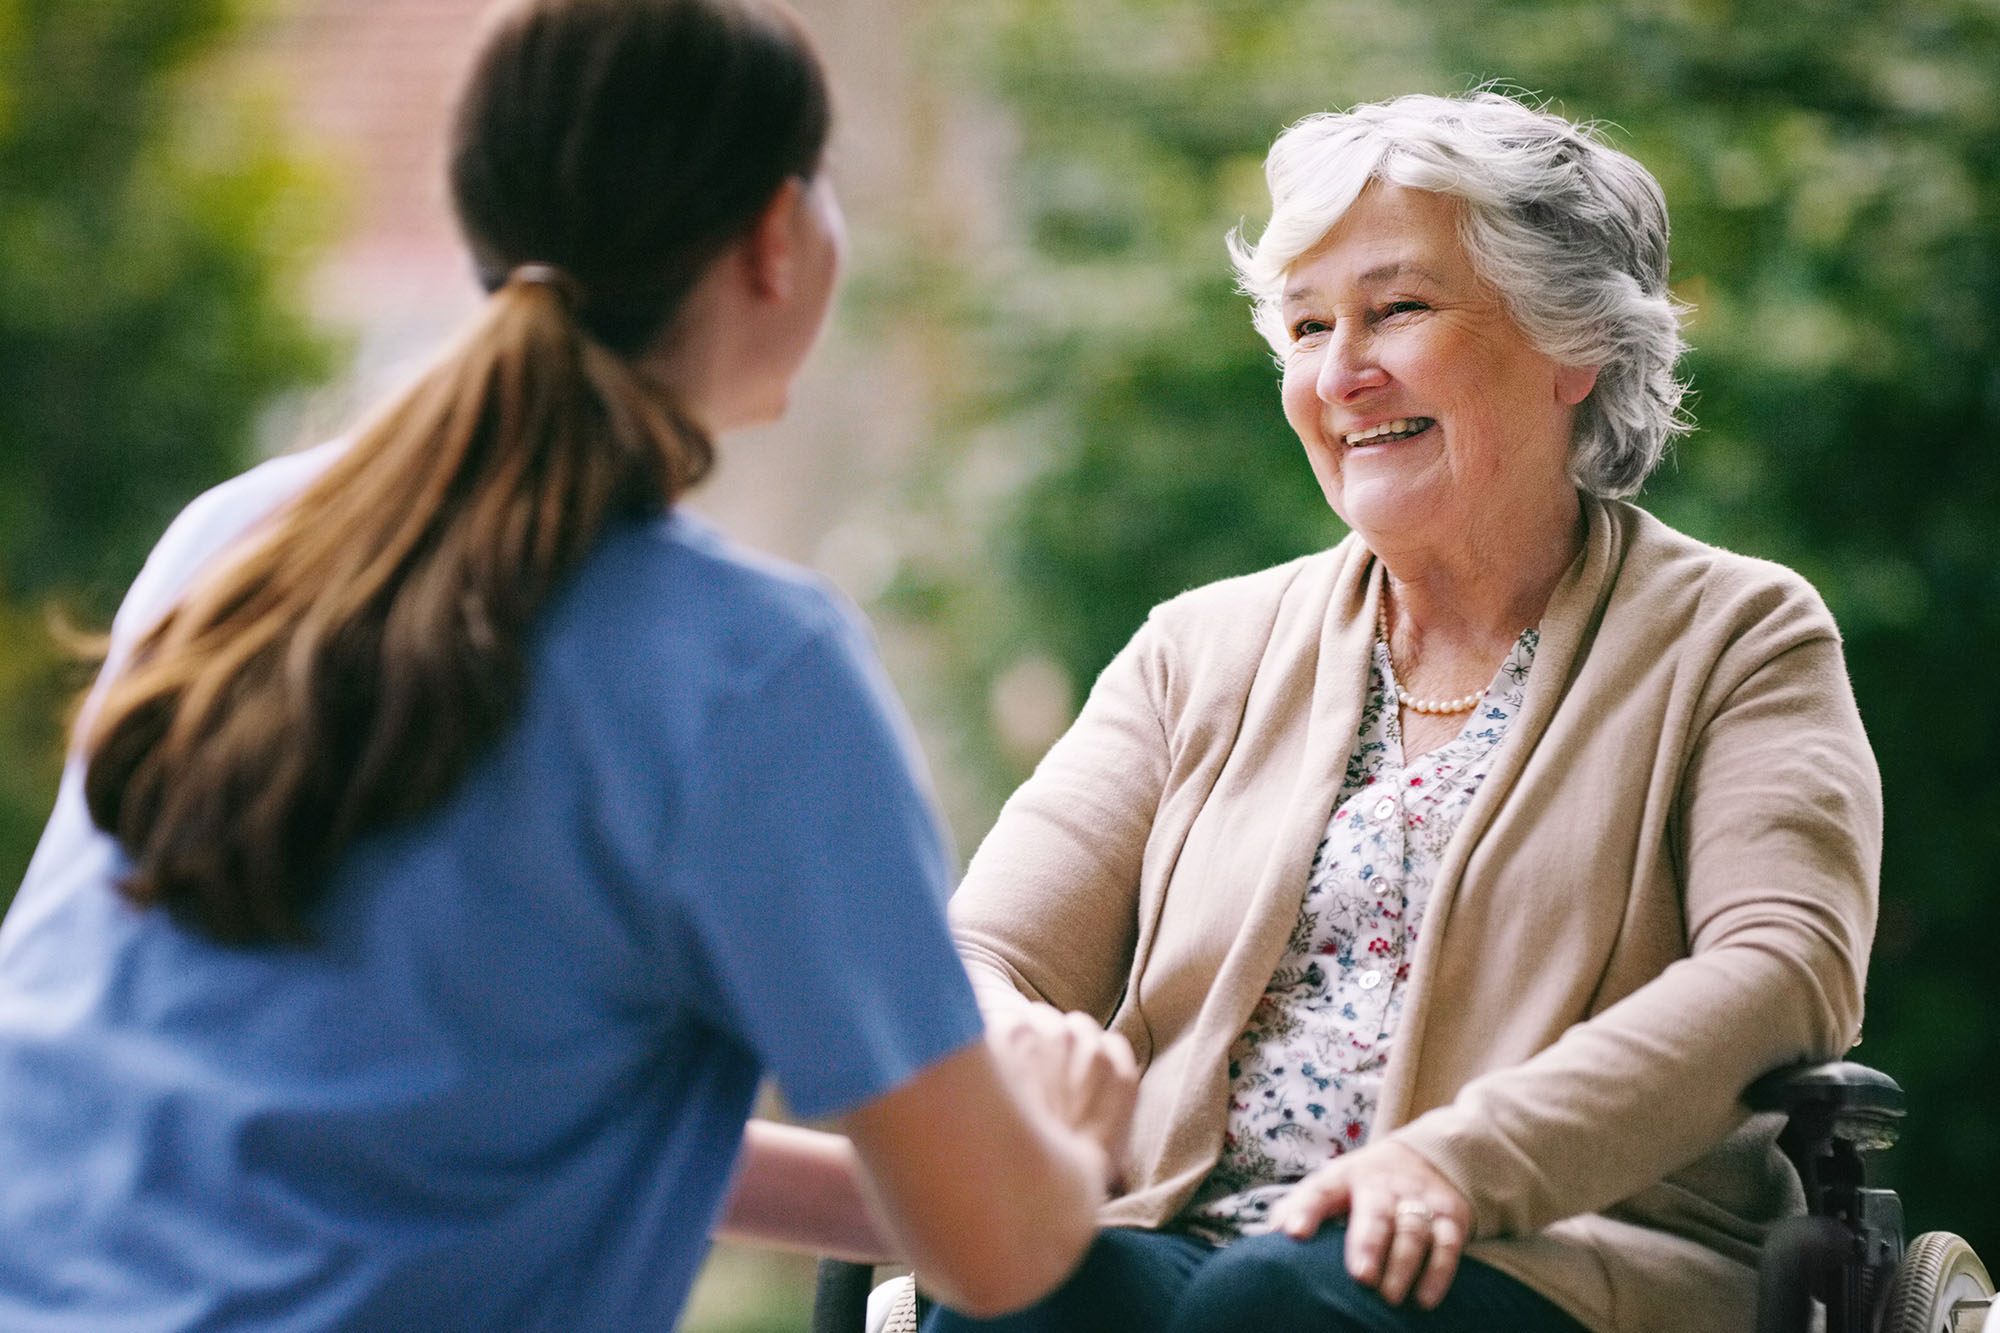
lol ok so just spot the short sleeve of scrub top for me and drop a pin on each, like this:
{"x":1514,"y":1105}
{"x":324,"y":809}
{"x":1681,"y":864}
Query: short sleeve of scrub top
{"x":820,"y":866}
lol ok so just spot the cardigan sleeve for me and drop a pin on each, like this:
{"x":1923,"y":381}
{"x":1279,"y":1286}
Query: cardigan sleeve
{"x":1777,"y":839}
{"x":1049,"y":905}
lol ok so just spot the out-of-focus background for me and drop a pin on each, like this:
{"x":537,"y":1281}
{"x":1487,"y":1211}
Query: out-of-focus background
{"x":1041,"y":409}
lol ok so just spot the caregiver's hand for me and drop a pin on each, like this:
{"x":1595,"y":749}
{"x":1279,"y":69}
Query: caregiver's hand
{"x":1075,"y":1071}
{"x":1405,"y":1222}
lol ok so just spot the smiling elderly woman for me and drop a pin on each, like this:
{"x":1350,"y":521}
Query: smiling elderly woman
{"x":1451,"y":884}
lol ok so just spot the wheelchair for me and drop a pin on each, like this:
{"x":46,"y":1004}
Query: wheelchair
{"x":1844,"y":1261}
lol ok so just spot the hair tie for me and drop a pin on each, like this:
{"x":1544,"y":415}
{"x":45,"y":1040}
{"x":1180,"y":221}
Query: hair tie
{"x":567,"y":289}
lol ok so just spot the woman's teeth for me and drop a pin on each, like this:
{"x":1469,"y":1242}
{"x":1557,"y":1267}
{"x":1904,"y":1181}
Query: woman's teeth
{"x":1400,"y":428}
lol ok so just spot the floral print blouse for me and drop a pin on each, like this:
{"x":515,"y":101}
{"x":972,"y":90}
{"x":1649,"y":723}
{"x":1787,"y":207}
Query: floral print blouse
{"x":1307,"y":1071}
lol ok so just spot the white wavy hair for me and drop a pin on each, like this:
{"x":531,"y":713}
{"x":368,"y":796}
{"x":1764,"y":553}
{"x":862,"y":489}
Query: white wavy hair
{"x":1570,"y":232}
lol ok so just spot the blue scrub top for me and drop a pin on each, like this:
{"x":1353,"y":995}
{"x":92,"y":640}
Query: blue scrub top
{"x":505,"y":1086}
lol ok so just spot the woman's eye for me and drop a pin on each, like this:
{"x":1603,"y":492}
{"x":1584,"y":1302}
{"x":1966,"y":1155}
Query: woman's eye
{"x":1306,"y":328}
{"x":1403,"y":307}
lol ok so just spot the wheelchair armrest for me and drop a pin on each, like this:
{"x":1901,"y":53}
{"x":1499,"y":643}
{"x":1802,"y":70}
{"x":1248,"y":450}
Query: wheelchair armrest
{"x":1836,"y":1100}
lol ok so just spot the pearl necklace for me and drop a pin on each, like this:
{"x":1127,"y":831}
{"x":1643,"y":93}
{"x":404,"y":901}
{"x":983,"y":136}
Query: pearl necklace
{"x":1442,"y":707}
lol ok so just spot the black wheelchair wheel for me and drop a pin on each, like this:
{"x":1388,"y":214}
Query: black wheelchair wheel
{"x":1940,"y":1287}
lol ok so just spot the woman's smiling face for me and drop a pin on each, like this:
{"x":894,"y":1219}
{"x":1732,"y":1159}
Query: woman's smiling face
{"x":1428,"y":417}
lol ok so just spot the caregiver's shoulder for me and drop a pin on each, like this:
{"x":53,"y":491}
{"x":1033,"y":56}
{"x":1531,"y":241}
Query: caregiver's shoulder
{"x":676,"y":586}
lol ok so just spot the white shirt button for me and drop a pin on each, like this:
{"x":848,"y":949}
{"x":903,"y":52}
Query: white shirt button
{"x":1385,"y":807}
{"x":1369,"y":980}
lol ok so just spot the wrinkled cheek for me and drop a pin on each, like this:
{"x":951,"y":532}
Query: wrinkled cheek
{"x":1301,"y":406}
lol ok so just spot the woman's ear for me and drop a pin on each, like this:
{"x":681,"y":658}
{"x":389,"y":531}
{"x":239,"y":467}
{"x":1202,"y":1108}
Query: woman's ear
{"x":1574,"y":383}
{"x":770,"y":247}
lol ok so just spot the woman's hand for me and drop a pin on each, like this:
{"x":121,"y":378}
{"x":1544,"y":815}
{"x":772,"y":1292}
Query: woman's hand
{"x":1065,"y":1064}
{"x":1405,"y":1222}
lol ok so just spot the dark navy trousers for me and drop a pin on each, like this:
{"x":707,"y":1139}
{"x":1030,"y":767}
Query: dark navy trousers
{"x":1159,"y":1282}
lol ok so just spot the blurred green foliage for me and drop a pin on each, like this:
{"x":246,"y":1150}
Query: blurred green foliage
{"x":1833,"y":170}
{"x":153,"y":230}
{"x":744,"y":1290}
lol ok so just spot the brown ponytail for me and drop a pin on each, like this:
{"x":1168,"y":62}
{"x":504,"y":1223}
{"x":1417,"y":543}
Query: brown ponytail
{"x":342,"y":672}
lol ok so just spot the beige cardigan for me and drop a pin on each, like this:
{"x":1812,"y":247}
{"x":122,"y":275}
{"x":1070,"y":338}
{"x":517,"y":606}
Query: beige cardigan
{"x":1665,"y":887}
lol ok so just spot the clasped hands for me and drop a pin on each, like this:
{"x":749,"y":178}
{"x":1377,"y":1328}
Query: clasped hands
{"x":1074,"y":1071}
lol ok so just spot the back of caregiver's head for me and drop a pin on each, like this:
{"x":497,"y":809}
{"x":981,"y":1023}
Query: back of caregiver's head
{"x":340,"y":672}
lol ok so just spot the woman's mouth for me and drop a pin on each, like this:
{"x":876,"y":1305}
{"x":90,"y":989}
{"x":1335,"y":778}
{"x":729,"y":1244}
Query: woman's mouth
{"x":1402,"y":428}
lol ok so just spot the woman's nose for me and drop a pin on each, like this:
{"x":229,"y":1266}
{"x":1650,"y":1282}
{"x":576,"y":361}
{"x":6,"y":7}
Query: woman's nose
{"x":1348,"y":366}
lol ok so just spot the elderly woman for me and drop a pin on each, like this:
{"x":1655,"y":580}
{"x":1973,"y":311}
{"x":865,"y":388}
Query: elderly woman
{"x":1451,"y":884}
